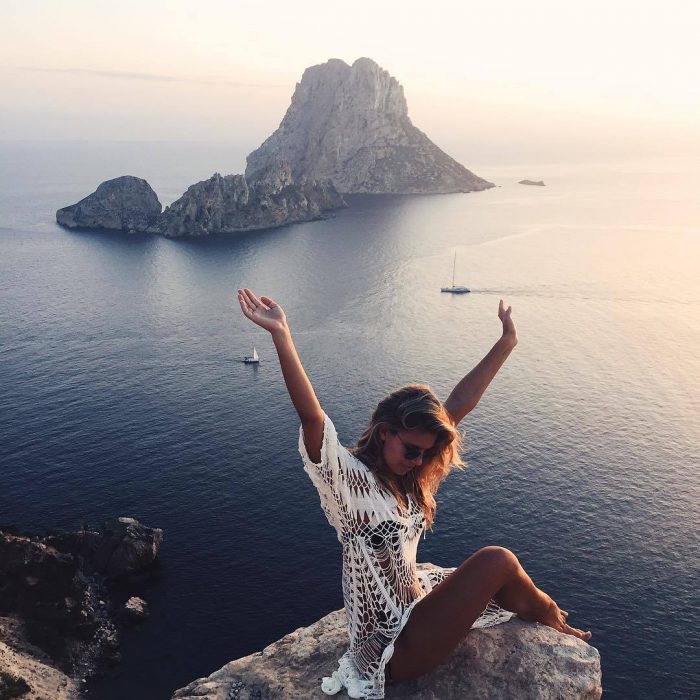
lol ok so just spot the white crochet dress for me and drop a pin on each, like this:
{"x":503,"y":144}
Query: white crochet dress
{"x":379,"y":564}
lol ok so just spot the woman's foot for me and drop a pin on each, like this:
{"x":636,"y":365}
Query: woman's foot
{"x":553,"y":616}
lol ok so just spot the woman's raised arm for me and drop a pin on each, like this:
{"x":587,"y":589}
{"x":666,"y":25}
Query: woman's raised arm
{"x":267,"y":314}
{"x":466,"y":395}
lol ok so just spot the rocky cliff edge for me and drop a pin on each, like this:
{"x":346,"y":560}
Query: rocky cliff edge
{"x":512,"y":661}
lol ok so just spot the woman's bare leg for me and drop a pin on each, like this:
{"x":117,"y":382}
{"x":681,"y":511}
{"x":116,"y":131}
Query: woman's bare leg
{"x":443,"y":617}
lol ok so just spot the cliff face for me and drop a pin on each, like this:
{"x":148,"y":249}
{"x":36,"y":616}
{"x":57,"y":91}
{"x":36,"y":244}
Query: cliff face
{"x":224,"y":204}
{"x":125,"y":203}
{"x":350,"y":124}
{"x":26,"y":671}
{"x":57,"y":623}
{"x":511,"y":661}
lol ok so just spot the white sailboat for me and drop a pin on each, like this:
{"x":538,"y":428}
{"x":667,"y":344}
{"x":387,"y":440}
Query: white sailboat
{"x":453,"y":289}
{"x":252,"y":359}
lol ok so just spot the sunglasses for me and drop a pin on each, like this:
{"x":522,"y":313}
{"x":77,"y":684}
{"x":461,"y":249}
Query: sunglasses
{"x":411,"y":452}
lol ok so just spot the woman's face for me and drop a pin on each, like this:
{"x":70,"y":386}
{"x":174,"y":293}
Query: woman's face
{"x":405,"y":450}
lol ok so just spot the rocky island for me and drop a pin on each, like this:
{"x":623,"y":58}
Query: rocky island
{"x":350,"y":124}
{"x":125,"y":203}
{"x":537,"y":183}
{"x":346,"y":131}
{"x":221,"y":204}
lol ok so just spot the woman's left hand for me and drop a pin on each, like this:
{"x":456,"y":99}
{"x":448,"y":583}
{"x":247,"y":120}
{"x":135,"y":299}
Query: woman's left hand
{"x":509,"y":331}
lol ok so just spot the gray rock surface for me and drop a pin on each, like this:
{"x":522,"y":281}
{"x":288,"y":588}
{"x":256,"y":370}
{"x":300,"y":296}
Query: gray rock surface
{"x":538,"y":183}
{"x":512,"y":661}
{"x":350,"y":124}
{"x":125,"y":203}
{"x":135,"y":610}
{"x":231,"y":203}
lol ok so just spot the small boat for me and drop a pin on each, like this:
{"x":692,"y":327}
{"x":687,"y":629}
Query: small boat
{"x":252,"y":359}
{"x":453,"y":289}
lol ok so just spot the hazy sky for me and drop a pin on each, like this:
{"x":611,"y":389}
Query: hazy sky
{"x":539,"y":79}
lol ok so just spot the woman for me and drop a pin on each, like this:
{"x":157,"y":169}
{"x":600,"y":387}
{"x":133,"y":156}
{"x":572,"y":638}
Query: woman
{"x":379,"y":497}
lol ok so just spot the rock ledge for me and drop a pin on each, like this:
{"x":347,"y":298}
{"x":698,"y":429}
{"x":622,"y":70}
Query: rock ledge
{"x":512,"y":661}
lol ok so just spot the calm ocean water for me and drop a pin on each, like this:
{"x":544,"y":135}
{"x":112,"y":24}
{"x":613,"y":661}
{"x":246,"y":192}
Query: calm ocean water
{"x":122,"y":394}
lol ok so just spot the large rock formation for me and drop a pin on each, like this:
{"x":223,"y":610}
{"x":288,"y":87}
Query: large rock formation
{"x":511,"y":661}
{"x":350,"y":124}
{"x":347,"y":130}
{"x":125,"y":203}
{"x":230,"y":203}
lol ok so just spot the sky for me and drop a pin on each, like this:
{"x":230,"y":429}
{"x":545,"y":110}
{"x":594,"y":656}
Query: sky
{"x":504,"y":79}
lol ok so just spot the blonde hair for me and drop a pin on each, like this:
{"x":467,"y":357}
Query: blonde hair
{"x":412,"y":407}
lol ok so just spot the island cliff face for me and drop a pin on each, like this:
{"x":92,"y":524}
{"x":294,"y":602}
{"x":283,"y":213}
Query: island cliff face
{"x":225,"y":204}
{"x":125,"y":203}
{"x":221,"y":204}
{"x":350,"y":124}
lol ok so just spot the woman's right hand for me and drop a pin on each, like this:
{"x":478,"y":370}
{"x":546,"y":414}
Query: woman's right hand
{"x":265,"y":312}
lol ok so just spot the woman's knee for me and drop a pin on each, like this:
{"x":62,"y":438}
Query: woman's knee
{"x":500,"y":559}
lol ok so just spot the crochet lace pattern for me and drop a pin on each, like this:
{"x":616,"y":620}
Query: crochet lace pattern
{"x":381,"y":581}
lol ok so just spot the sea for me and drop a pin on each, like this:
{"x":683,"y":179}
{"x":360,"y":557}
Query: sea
{"x":123,"y":394}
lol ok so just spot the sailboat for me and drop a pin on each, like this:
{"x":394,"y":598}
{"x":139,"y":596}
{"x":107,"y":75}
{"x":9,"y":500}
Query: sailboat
{"x":252,"y":359}
{"x":453,"y":289}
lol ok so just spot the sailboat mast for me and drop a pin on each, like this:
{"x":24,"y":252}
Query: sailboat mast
{"x":454,"y":264}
